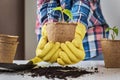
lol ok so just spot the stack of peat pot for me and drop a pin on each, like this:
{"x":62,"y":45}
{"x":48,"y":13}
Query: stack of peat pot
{"x":8,"y":47}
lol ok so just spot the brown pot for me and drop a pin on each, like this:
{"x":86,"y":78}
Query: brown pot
{"x":8,"y":46}
{"x":60,"y":32}
{"x":111,"y":53}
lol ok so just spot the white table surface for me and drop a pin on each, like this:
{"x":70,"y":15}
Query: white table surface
{"x":103,"y":74}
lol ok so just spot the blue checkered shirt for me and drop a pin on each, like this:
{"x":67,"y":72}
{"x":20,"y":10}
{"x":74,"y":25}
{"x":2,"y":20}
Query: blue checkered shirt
{"x":87,"y":12}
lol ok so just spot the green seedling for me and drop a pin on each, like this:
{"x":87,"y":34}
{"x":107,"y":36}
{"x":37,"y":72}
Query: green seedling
{"x":114,"y":32}
{"x":65,"y":11}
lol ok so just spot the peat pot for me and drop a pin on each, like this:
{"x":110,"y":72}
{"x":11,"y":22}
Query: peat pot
{"x":111,"y":53}
{"x":60,"y":31}
{"x":8,"y":46}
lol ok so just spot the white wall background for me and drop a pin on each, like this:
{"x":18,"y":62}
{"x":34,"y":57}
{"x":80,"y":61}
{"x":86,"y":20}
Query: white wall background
{"x":110,"y":9}
{"x":111,"y":12}
{"x":30,"y":36}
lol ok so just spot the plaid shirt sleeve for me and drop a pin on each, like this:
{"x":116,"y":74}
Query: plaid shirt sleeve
{"x":80,"y":11}
{"x":45,"y":14}
{"x":95,"y":31}
{"x":87,"y":12}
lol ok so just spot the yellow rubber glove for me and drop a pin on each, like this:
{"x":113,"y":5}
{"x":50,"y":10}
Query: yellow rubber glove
{"x":42,"y":42}
{"x":79,"y":35}
{"x":73,"y":52}
{"x":34,"y":60}
{"x":80,"y":30}
{"x":47,"y":51}
{"x":51,"y":52}
{"x":64,"y":53}
{"x":55,"y":56}
{"x":70,"y":54}
{"x":79,"y":53}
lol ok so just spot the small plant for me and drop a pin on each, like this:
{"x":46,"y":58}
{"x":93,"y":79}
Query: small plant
{"x":114,"y":32}
{"x":65,"y":11}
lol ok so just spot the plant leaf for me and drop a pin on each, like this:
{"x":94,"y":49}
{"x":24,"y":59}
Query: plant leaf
{"x":68,"y":13}
{"x":58,"y":8}
{"x":108,"y":29}
{"x":115,"y":29}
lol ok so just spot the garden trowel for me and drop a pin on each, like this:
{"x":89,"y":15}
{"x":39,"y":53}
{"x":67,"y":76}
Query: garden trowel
{"x":11,"y":67}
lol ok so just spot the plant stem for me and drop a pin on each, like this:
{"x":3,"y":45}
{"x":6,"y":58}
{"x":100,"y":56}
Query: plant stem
{"x":62,"y":16}
{"x":113,"y":36}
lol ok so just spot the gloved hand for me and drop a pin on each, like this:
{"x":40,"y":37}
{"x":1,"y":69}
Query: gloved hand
{"x":46,"y":51}
{"x":70,"y":54}
{"x":80,"y":30}
{"x":43,"y":41}
{"x":79,"y":35}
{"x":49,"y":52}
{"x":63,"y":53}
{"x":73,"y":52}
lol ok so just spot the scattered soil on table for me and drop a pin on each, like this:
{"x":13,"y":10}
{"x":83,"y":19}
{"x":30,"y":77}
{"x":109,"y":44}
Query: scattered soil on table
{"x":57,"y":72}
{"x":61,"y":72}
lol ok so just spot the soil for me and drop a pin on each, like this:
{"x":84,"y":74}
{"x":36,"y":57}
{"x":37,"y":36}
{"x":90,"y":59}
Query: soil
{"x":57,"y":72}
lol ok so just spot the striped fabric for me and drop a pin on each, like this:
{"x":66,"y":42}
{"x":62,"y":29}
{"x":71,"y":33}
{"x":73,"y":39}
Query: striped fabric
{"x":91,"y":41}
{"x":87,"y":12}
